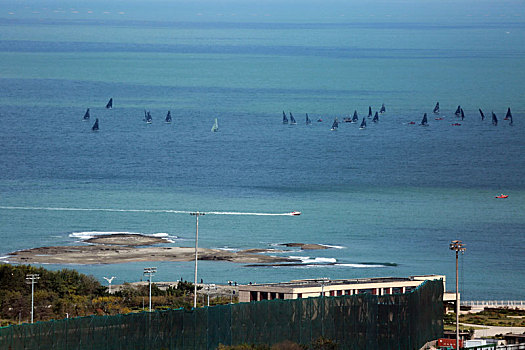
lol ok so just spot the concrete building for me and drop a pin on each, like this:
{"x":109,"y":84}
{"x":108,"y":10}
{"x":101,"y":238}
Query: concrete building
{"x":317,"y":287}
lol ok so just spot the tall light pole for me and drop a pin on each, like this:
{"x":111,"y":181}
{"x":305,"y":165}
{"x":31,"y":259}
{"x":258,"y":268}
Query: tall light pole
{"x":32,"y":277}
{"x":457,"y":246}
{"x":150,"y":271}
{"x":196,"y":214}
{"x":109,"y":282}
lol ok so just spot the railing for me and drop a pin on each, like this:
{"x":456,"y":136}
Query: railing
{"x":494,"y":303}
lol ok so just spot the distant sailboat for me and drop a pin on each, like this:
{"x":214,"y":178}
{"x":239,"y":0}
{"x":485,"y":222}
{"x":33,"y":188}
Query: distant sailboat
{"x":292,"y":119}
{"x":482,"y":115}
{"x":369,"y":112}
{"x":383,"y":109}
{"x":215,"y":126}
{"x":86,"y":115}
{"x":168,"y":117}
{"x":462,"y":114}
{"x":110,"y":104}
{"x":458,"y":111}
{"x":149,"y":119}
{"x":285,"y":120}
{"x":508,"y":115}
{"x":95,"y":126}
{"x":494,"y":119}
{"x":355,"y":118}
{"x":376,"y":118}
{"x":363,"y":124}
{"x":335,"y":125}
{"x":424,"y":121}
{"x":436,"y":109}
{"x":308,"y":121}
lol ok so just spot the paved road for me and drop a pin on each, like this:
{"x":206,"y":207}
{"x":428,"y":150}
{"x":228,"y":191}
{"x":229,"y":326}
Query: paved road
{"x":490,"y":331}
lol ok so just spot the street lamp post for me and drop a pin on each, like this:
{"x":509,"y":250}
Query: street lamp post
{"x":196,"y":214}
{"x":150,"y":271}
{"x":457,"y":246}
{"x":32,"y":277}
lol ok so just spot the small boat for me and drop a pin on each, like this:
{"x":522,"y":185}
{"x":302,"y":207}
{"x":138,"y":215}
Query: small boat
{"x":86,"y":115}
{"x":411,"y":123}
{"x":335,"y":125}
{"x":308,"y":121}
{"x":285,"y":119}
{"x":109,"y":105}
{"x":456,"y":124}
{"x":424,"y":121}
{"x":436,"y":108}
{"x":292,"y":119}
{"x":363,"y":124}
{"x":458,"y":111}
{"x":494,"y":119}
{"x":347,"y":120}
{"x":383,"y":109}
{"x":215,"y":126}
{"x":438,"y":118}
{"x":502,"y":196}
{"x":482,"y":115}
{"x":168,"y":117}
{"x":376,"y":118}
{"x":508,"y":115}
{"x":462,"y":114}
{"x":355,"y":118}
{"x":319,"y":120}
{"x":295,"y":213}
{"x":369,"y":112}
{"x":95,"y":126}
{"x":149,"y":119}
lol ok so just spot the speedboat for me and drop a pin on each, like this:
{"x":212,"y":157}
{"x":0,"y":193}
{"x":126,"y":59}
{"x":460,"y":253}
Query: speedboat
{"x":295,"y":213}
{"x":502,"y":196}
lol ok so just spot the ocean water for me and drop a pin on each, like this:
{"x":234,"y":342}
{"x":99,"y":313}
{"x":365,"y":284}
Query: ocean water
{"x":387,"y":199}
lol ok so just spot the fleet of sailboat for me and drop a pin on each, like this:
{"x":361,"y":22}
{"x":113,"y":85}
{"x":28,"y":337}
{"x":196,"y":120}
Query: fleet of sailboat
{"x":436,"y":108}
{"x":292,"y":119}
{"x":95,"y":126}
{"x":215,"y":126}
{"x":376,"y":118}
{"x":308,"y":121}
{"x":285,"y":119}
{"x":168,"y":117}
{"x":86,"y":115}
{"x":335,"y":125}
{"x":424,"y":121}
{"x":109,"y":105}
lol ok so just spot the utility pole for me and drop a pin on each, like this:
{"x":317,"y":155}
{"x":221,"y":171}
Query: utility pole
{"x":32,"y":277}
{"x":457,"y":246}
{"x":150,"y":271}
{"x":196,"y":214}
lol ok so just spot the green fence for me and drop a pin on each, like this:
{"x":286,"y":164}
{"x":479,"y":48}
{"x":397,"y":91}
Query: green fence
{"x":400,"y":321}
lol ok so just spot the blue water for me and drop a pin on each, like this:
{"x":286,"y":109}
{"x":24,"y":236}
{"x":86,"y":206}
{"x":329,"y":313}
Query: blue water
{"x":389,"y":198}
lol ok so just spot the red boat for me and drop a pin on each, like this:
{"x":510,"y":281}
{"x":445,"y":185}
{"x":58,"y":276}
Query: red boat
{"x":456,"y":124}
{"x":411,"y":123}
{"x":438,"y":118}
{"x":502,"y":196}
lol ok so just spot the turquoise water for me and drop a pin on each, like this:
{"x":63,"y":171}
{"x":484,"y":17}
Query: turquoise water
{"x":389,"y":198}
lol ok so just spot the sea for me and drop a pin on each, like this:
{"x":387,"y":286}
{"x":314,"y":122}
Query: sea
{"x":386,"y":200}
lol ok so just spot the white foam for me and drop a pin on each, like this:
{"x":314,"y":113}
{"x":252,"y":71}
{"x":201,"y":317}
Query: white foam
{"x":308,"y":260}
{"x":333,"y":246}
{"x":228,"y":249}
{"x":361,"y":265}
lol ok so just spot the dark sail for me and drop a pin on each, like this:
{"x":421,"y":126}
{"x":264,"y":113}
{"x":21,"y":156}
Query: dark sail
{"x":335,"y":124}
{"x":508,"y":115}
{"x":308,"y":121}
{"x":95,"y":126}
{"x":436,"y":109}
{"x":363,"y":124}
{"x":462,"y":114}
{"x":285,"y":120}
{"x":148,"y":118}
{"x":369,"y":112}
{"x":383,"y":109}
{"x":110,"y":103}
{"x":376,"y":118}
{"x":292,"y":119}
{"x":168,"y":117}
{"x":482,"y":115}
{"x":86,"y":115}
{"x":424,"y":122}
{"x":494,"y":119}
{"x":458,"y":111}
{"x":355,"y":118}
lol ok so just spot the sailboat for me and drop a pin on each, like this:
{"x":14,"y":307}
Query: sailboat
{"x":369,"y":112}
{"x":308,"y":121}
{"x":462,"y":114}
{"x":482,"y":115}
{"x":458,"y":111}
{"x":335,"y":125}
{"x":292,"y":119}
{"x":149,"y":119}
{"x":355,"y":118}
{"x":383,"y":109}
{"x":86,"y":115}
{"x":168,"y":117}
{"x":95,"y":126}
{"x":363,"y":124}
{"x":494,"y":119}
{"x":376,"y":118}
{"x":424,"y":121}
{"x":215,"y":126}
{"x":285,"y":120}
{"x":508,"y":115}
{"x":436,"y":108}
{"x":110,"y":104}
